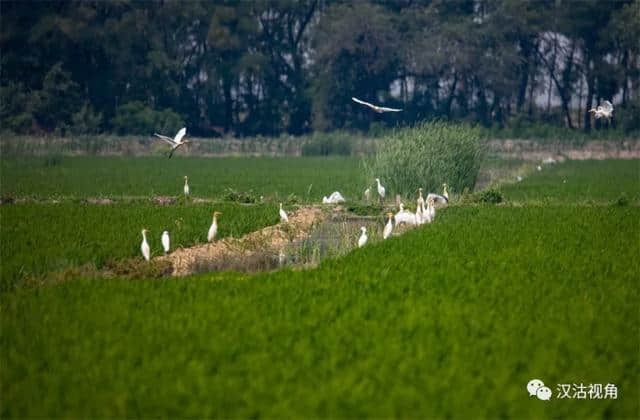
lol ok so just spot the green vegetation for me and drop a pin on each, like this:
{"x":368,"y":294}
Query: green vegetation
{"x":308,"y":178}
{"x":38,"y":238}
{"x":451,"y":320}
{"x":429,"y":155}
{"x":579,"y":182}
{"x":448,"y":320}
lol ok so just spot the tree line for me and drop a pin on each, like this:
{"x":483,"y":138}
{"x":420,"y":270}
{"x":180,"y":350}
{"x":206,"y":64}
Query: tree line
{"x":272,"y":67}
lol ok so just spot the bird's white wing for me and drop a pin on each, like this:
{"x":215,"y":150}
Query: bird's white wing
{"x":165,"y":138}
{"x":180,"y":134}
{"x":438,"y":198}
{"x":385,"y":109}
{"x":363,"y":102}
{"x":607,"y":106}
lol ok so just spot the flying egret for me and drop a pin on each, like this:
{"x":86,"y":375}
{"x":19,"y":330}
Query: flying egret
{"x":213,"y":230}
{"x":144,"y":246}
{"x":334,"y":198}
{"x":603,"y":111}
{"x":388,"y":227}
{"x":186,"y":186}
{"x":381,"y":191}
{"x":367,"y":194}
{"x":376,"y":108}
{"x":363,"y":237}
{"x":175,"y":142}
{"x":404,"y":216}
{"x":283,"y":215}
{"x":166,"y":242}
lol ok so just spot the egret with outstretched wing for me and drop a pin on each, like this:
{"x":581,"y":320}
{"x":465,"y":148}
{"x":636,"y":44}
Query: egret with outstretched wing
{"x":175,"y":142}
{"x":376,"y":108}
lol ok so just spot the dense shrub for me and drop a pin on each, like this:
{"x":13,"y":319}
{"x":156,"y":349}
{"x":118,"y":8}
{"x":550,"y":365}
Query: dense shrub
{"x":137,"y":118}
{"x":427,"y":156}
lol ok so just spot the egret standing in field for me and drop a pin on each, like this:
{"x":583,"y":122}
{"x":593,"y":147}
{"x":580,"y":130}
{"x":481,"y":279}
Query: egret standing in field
{"x":213,"y":230}
{"x":381,"y":191}
{"x":283,"y":214}
{"x":144,"y":246}
{"x":367,"y":194}
{"x":186,"y":186}
{"x":431,"y":210}
{"x":166,"y":242}
{"x":363,"y":237}
{"x":420,"y":213}
{"x":445,"y":193}
{"x":375,"y":108}
{"x":388,"y":227}
{"x":404,"y":216}
{"x":175,"y":142}
{"x":420,"y":199}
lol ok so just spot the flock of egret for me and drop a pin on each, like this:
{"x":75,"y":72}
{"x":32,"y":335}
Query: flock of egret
{"x":422,"y":215}
{"x":178,"y":140}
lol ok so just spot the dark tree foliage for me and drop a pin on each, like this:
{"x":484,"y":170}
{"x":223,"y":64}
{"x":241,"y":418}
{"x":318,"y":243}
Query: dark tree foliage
{"x":269,"y":67}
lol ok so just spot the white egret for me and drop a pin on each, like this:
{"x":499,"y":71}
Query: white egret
{"x":437,"y":198}
{"x":381,"y":191}
{"x":186,"y":186}
{"x":420,"y":199}
{"x":388,"y":227}
{"x":213,"y":230}
{"x":431,"y":210}
{"x":144,"y":246}
{"x":603,"y":111}
{"x":404,"y":216}
{"x":334,"y":198}
{"x":166,"y":242}
{"x":445,"y":193}
{"x":175,"y":142}
{"x":420,"y":214}
{"x":363,"y":237}
{"x":376,"y":108}
{"x":367,"y":194}
{"x":539,"y":168}
{"x":519,"y":178}
{"x":283,"y":215}
{"x":282,"y":258}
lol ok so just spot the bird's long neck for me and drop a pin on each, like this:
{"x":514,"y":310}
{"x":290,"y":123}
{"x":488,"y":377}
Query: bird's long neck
{"x":215,"y":219}
{"x":186,"y":183}
{"x":144,"y":236}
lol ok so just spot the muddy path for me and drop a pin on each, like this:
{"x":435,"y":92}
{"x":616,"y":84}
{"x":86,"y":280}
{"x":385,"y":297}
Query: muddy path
{"x":256,"y":251}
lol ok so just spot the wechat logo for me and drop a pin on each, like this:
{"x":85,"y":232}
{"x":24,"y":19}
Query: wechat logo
{"x":536,"y":387}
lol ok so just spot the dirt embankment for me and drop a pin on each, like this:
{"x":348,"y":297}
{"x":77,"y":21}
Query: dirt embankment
{"x":255,"y":251}
{"x":537,"y":151}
